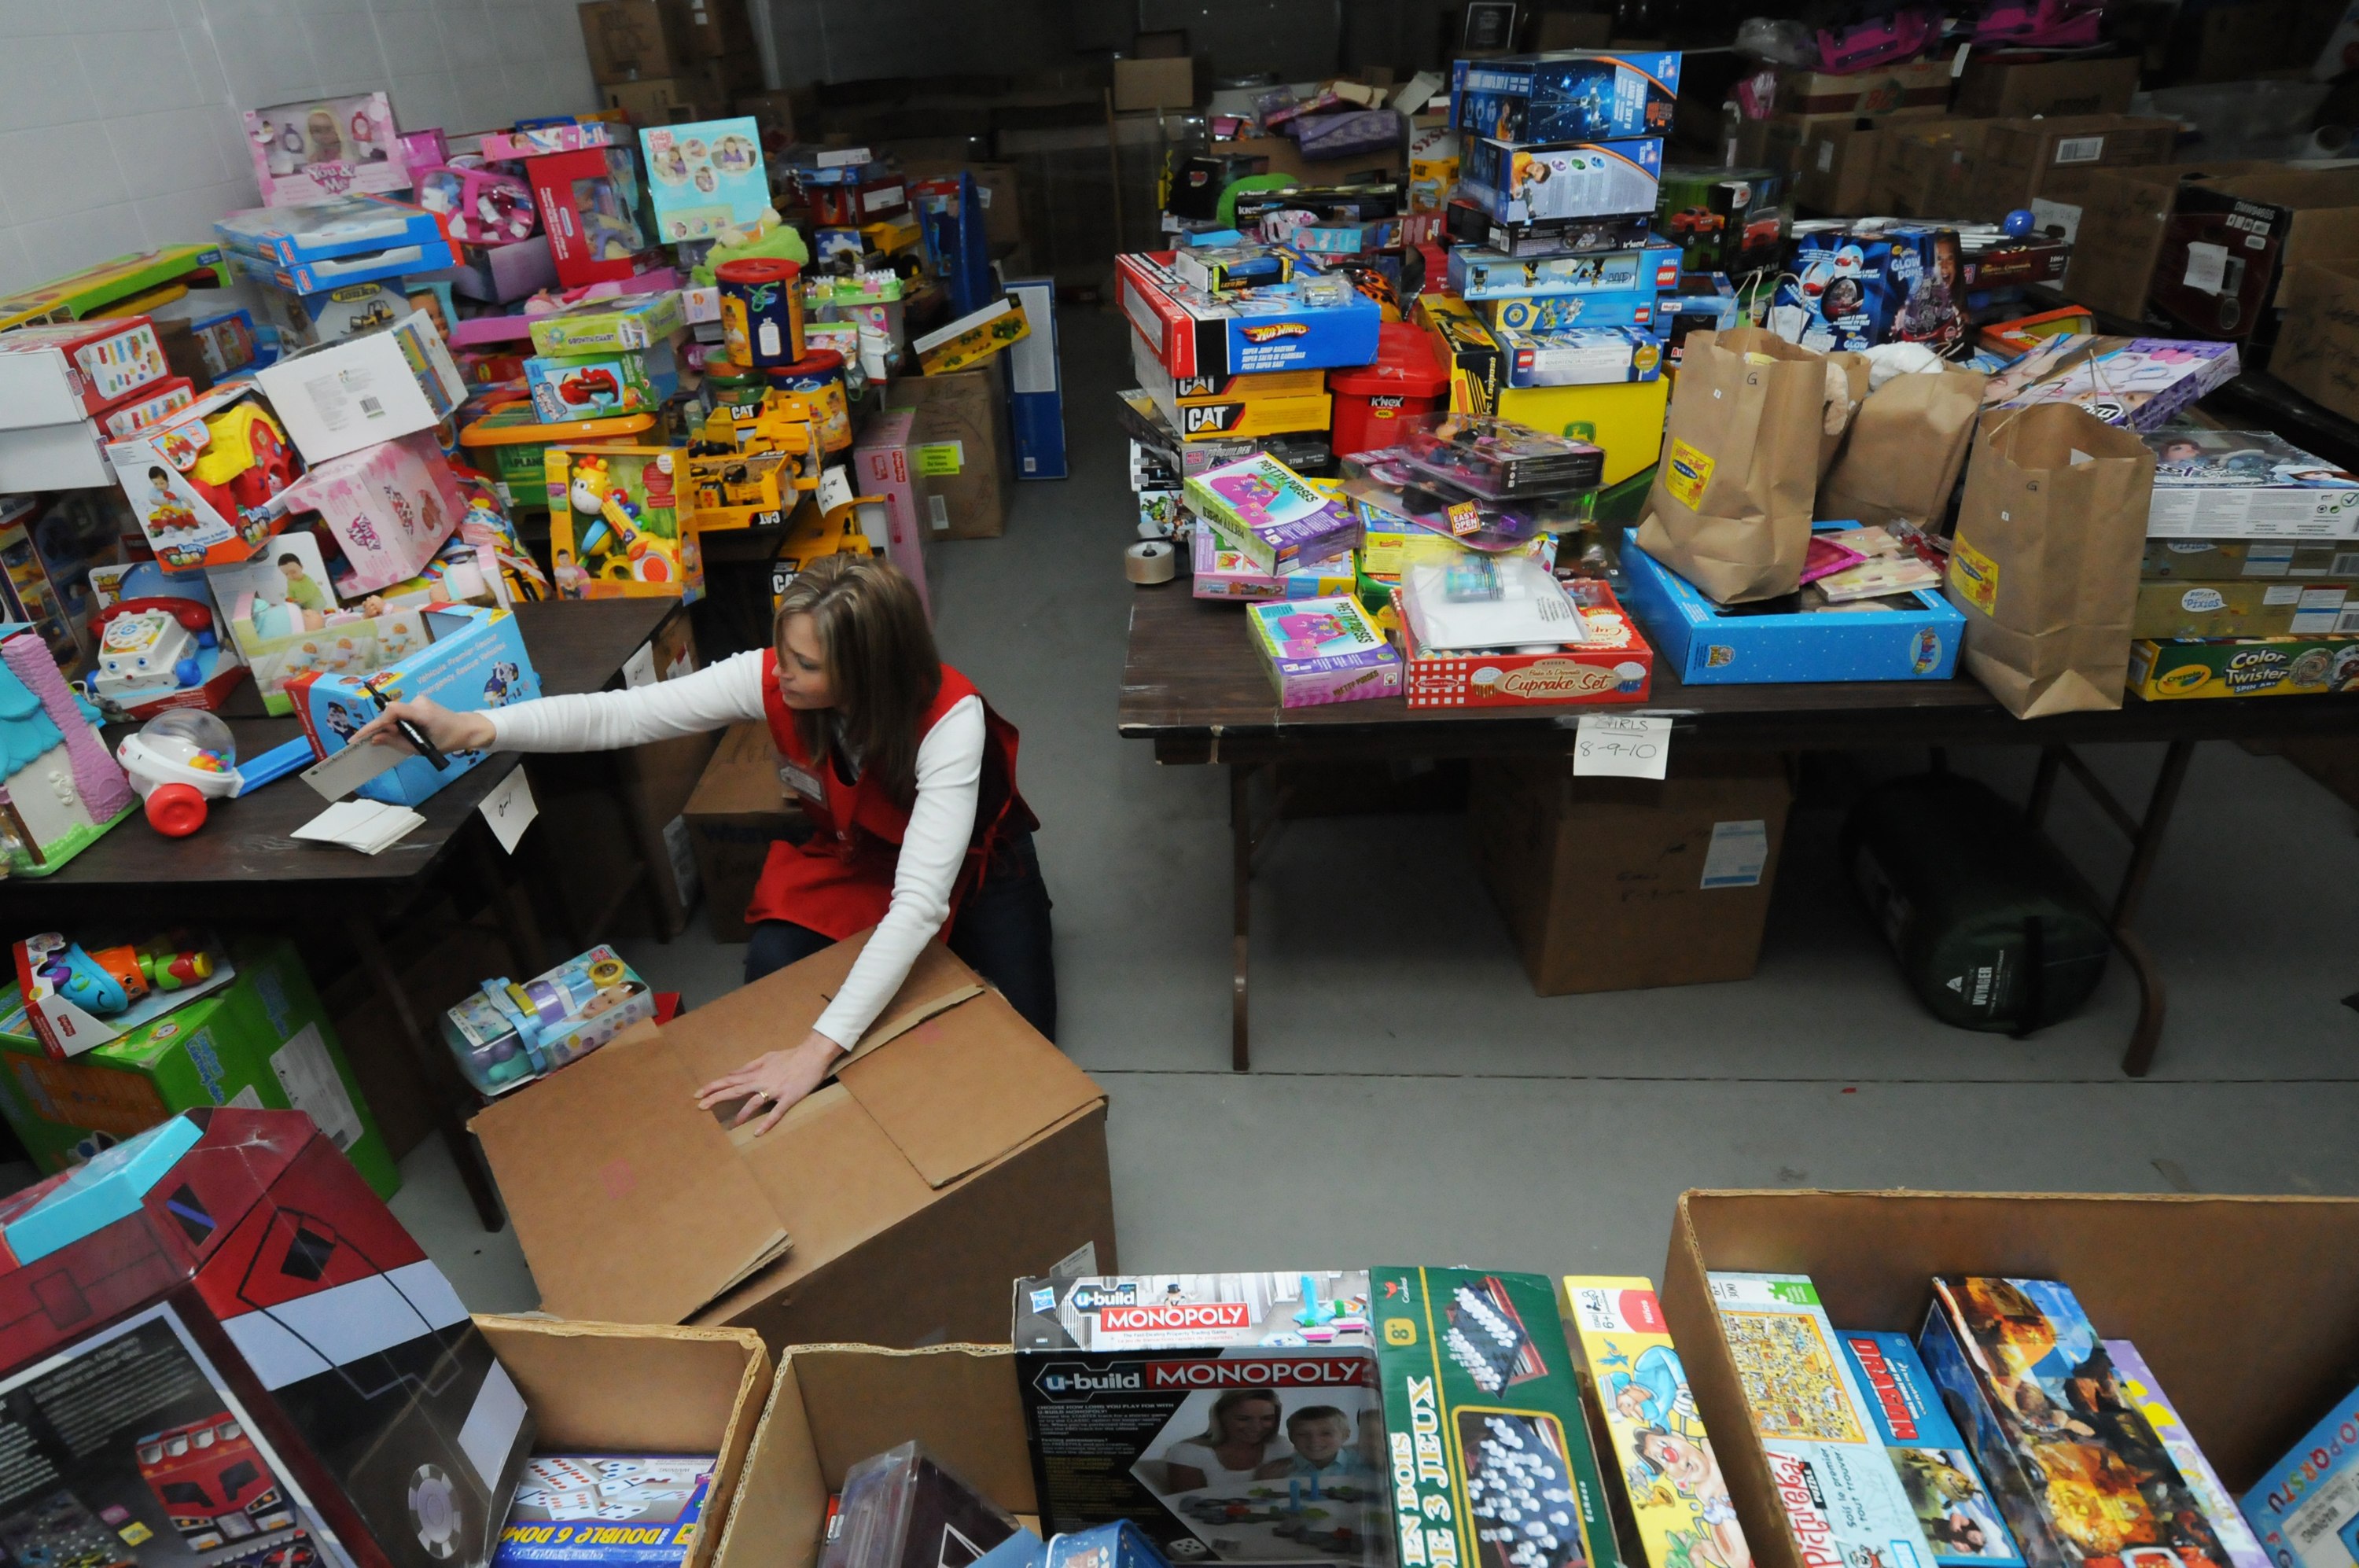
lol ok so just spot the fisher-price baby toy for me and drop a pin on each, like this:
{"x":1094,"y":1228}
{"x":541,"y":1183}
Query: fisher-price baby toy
{"x":184,"y":758}
{"x":107,"y":982}
{"x":507,"y":1034}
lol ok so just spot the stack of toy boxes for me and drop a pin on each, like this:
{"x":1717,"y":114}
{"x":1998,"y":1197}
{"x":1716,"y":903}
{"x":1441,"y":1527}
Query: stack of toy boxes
{"x":67,"y":389}
{"x":604,"y":357}
{"x":1560,"y":156}
{"x":329,"y":268}
{"x":2250,"y":585}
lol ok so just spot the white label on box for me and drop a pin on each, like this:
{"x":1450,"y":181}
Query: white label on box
{"x":309,"y":1075}
{"x":1826,"y":157}
{"x":2267,"y":559}
{"x":342,"y":396}
{"x":2047,"y":215}
{"x":1958,"y":66}
{"x":1621,"y":745}
{"x":1082,"y":1263}
{"x":2322,"y":598}
{"x":510,"y":809}
{"x":1738,"y":855}
{"x":1032,"y":358}
{"x":2285,"y":594}
{"x":2080,"y":149}
{"x":939,"y":513}
{"x":834,"y":490}
{"x":2207,"y":267}
{"x":246,"y":1099}
{"x":682,"y":856}
{"x":2311,"y":623}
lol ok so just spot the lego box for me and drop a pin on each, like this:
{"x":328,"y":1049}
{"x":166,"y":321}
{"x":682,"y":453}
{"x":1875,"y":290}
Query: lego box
{"x":1552,"y":183}
{"x":243,"y":1359}
{"x":1235,"y":1418}
{"x":1487,"y":275}
{"x":1571,"y":96}
{"x":261,"y":1041}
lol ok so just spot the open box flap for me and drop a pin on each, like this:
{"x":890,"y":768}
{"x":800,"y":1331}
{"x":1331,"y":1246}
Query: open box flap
{"x":628,"y":1201}
{"x":834,"y":1177}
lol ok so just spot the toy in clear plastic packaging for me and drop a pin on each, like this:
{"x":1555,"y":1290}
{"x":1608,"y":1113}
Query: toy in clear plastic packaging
{"x":507,"y":1034}
{"x":902,"y":1507}
{"x":1390,"y":483}
{"x":1501,"y":602}
{"x":1497,"y":457}
{"x":105,"y":982}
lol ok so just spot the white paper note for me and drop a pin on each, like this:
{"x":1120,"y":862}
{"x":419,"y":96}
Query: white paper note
{"x":1625,"y":745}
{"x":510,"y":809}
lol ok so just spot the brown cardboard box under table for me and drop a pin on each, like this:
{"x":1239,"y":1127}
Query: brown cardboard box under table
{"x":2237,"y":1303}
{"x":954,"y":1150}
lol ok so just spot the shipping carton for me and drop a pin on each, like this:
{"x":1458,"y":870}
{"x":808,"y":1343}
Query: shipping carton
{"x":1618,"y":884}
{"x":965,"y":481}
{"x":1166,"y":84}
{"x":2163,"y":1272}
{"x":1913,"y":84}
{"x":1998,"y":86}
{"x":2318,"y":346}
{"x":641,"y":1388}
{"x":2119,"y":231}
{"x":1836,"y":158}
{"x":634,"y":40}
{"x":2050,"y":162}
{"x":740,"y":808}
{"x":954,"y":1150}
{"x":1924,"y":167}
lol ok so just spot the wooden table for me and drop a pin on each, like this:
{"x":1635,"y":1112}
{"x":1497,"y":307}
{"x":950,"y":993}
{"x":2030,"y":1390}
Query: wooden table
{"x":1192,"y":687}
{"x":245,"y":864}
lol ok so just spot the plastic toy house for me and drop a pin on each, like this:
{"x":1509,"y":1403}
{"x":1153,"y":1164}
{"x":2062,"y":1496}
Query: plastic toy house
{"x":236,"y":1346}
{"x":60,"y":789}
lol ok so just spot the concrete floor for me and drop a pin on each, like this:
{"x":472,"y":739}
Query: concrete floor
{"x":1413,"y":1101}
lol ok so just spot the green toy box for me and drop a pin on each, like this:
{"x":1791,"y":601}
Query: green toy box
{"x":262,"y":1041}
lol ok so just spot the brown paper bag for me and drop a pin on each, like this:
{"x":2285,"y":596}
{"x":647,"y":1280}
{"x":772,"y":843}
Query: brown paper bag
{"x":2045,"y":563}
{"x":1906,"y":446}
{"x":1730,"y":510}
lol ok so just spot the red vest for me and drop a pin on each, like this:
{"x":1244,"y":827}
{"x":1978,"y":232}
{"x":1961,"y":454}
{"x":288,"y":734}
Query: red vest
{"x":839,"y":881}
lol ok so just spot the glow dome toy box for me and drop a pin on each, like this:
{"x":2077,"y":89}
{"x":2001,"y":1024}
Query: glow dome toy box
{"x":220,"y":1347}
{"x":1233,"y":1418}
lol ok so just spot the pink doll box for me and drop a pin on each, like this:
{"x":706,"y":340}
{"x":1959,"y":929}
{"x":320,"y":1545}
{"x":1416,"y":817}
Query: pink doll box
{"x":390,"y":507}
{"x":319,"y":147}
{"x":476,"y":205}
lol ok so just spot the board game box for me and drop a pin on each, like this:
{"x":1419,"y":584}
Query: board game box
{"x":2305,"y":1508}
{"x":618,"y":1510}
{"x":2247,"y":485}
{"x":2138,"y":1387}
{"x":2077,"y":1470}
{"x":1488,"y":1450}
{"x":1672,"y":1498}
{"x":1233,"y":1418}
{"x":1844,"y":1501}
{"x":1961,"y":1521}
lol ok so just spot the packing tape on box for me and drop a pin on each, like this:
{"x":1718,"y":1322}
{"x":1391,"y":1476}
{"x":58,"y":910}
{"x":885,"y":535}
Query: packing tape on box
{"x":1153,"y":561}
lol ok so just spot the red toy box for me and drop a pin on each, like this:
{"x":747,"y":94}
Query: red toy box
{"x":236,"y":1351}
{"x":51,"y":374}
{"x":1616,"y":666}
{"x":593,"y":210}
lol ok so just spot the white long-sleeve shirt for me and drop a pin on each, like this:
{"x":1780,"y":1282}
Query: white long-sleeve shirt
{"x":942,"y":820}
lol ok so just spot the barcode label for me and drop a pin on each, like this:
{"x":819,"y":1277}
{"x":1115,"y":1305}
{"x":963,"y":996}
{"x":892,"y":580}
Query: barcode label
{"x":2080,"y":149}
{"x":940,"y":514}
{"x":371,"y":407}
{"x":2346,"y":563}
{"x":2348,"y":621}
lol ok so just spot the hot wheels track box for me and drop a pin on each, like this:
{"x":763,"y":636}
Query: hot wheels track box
{"x":1235,"y":1418}
{"x":218,"y":1346}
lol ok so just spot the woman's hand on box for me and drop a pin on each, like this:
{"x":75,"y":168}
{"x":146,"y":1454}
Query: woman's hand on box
{"x":777,"y":1080}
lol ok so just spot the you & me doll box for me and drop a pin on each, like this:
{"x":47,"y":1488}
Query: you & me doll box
{"x":1134,"y":1385}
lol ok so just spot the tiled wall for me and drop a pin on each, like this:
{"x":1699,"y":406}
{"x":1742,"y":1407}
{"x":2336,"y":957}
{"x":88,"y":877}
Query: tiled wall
{"x":119,"y":129}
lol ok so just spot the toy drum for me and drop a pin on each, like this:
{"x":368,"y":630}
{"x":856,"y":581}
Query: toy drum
{"x":761,"y":311}
{"x":819,"y":376}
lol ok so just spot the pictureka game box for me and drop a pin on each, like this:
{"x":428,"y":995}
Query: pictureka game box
{"x":218,"y":1346}
{"x":1954,"y":1504}
{"x":2139,"y":1387}
{"x":1484,"y":1428}
{"x":2081,"y":1475}
{"x":1842,"y":1499}
{"x":1134,"y":1387}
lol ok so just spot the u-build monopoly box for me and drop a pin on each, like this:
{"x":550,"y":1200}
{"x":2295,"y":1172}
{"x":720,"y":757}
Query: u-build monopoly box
{"x":1484,"y":1425}
{"x":1235,"y":1418}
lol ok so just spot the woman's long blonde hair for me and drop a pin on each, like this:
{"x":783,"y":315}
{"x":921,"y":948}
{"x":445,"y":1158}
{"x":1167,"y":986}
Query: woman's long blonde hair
{"x":881,"y":665}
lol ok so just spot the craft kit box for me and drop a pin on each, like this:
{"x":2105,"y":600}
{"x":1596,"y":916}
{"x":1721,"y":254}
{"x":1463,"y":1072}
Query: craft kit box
{"x":2246,"y":607}
{"x":1614,"y":666}
{"x":1569,"y":97}
{"x":867,"y":1216}
{"x":1323,"y":650}
{"x":2220,"y":484}
{"x":475,"y":660}
{"x":2159,"y":1270}
{"x":1709,"y":647}
{"x":1267,"y":513}
{"x":168,"y":1367}
{"x":1482,"y":1421}
{"x":2248,"y":667}
{"x":1554,"y":183}
{"x":1314,"y":324}
{"x":260,"y":1040}
{"x":1125,"y":1377}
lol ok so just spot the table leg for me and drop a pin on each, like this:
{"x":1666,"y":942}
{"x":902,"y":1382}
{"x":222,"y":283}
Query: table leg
{"x":2043,"y":784}
{"x":434,"y":1065}
{"x":654,"y":853}
{"x":1241,"y":848}
{"x":511,"y":905}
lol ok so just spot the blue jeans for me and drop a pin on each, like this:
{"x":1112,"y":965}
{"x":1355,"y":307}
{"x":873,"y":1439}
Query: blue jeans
{"x":1002,"y":934}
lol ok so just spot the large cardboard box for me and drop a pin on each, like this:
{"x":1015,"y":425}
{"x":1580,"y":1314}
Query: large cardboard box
{"x":693,"y":93}
{"x":2318,"y":346}
{"x":597,"y":1388}
{"x":262,"y":1041}
{"x":965,"y":480}
{"x":1835,"y":157}
{"x":2004,"y":87}
{"x":835,"y":1405}
{"x":2048,"y":163}
{"x":2119,"y":232}
{"x":1923,"y":167}
{"x":1912,"y":84}
{"x":1286,"y":158}
{"x":994,"y":188}
{"x":954,"y":1150}
{"x":1617,"y":883}
{"x":1166,"y":83}
{"x":634,"y":40}
{"x":2165,"y":1272}
{"x":740,"y":809}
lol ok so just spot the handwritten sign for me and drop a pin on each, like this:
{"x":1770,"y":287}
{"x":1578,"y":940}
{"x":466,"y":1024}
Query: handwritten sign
{"x":1623,"y":745}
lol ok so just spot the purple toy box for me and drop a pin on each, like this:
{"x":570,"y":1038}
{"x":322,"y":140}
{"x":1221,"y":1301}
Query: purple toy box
{"x":1323,"y":650}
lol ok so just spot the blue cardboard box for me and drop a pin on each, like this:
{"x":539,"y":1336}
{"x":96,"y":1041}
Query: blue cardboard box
{"x":316,"y":246}
{"x":1565,"y":312}
{"x":475,"y":660}
{"x":1937,"y":1470}
{"x":1478,"y":274}
{"x":2314,"y":1481}
{"x":1036,"y":385}
{"x":1562,"y":180}
{"x":1709,"y":646}
{"x":1315,"y":323}
{"x":1574,"y":95}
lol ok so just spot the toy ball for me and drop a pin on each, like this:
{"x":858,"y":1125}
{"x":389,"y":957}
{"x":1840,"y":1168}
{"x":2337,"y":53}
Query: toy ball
{"x":180,"y":761}
{"x":2020,"y":223}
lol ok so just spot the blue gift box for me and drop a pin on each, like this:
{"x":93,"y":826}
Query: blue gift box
{"x":1709,"y":645}
{"x":316,"y":246}
{"x":476,"y":660}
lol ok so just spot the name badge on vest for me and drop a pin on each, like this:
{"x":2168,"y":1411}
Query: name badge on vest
{"x":802,"y":783}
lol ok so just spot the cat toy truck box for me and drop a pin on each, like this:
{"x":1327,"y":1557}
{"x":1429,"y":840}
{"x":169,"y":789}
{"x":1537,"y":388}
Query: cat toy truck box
{"x":226,"y":1312}
{"x":1139,"y":1391}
